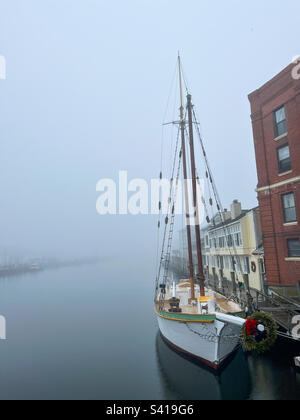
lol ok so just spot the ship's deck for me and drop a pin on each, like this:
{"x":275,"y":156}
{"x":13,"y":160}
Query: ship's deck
{"x":223,"y":304}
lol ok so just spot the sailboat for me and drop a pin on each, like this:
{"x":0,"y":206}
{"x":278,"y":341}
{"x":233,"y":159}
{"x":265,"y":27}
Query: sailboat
{"x":192,"y":318}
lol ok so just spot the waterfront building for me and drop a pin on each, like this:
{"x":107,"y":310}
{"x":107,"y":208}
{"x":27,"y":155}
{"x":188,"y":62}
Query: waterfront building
{"x":232,"y":248}
{"x":275,"y":116}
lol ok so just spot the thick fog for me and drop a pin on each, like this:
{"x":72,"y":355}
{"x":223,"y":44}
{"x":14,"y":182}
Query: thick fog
{"x":87,"y":82}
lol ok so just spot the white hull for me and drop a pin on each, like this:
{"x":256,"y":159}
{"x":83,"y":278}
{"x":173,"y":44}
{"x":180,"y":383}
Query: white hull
{"x":212,"y":343}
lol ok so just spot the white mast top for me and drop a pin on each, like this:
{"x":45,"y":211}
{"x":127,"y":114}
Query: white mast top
{"x":181,"y":91}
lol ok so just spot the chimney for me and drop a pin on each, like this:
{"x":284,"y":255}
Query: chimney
{"x":236,"y":209}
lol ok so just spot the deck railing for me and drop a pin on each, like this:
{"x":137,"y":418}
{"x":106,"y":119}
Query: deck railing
{"x":283,"y":309}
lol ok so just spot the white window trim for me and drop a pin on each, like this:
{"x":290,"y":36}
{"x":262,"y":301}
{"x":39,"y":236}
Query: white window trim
{"x":282,"y":136}
{"x":286,"y":173}
{"x":279,"y":184}
{"x":290,"y":224}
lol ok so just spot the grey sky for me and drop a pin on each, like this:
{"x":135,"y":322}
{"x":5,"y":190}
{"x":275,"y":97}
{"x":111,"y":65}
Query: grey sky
{"x":87,"y":83}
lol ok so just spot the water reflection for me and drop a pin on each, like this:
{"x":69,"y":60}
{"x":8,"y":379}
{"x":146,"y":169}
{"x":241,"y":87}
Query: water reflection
{"x":191,"y":381}
{"x":66,"y":342}
{"x":274,"y":377}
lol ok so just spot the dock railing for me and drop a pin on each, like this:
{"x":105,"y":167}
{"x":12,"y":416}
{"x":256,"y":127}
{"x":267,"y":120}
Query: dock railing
{"x":284,"y":310}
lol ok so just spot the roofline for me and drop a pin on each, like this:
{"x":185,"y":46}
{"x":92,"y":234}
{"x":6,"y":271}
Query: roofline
{"x":231,"y":222}
{"x":272,"y":81}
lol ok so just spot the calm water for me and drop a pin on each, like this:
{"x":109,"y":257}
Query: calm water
{"x":90,"y":333}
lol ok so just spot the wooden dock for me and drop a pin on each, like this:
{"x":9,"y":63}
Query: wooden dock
{"x":284,"y":310}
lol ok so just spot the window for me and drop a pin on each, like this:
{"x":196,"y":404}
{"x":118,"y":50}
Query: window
{"x":263,"y":266}
{"x":289,"y":208}
{"x":239,"y":264}
{"x":232,"y":264}
{"x":294,"y":247}
{"x":227,"y":263}
{"x":206,"y":241}
{"x":220,"y":262}
{"x":213,"y":262}
{"x":238,"y":239}
{"x":229,"y":241}
{"x":284,"y":159}
{"x":280,"y":122}
{"x":246,"y":265}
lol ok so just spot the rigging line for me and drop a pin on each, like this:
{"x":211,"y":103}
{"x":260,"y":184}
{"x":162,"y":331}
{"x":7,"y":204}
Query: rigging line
{"x":185,"y":80}
{"x":210,"y":196}
{"x":191,"y":206}
{"x":162,"y":152}
{"x":174,"y":115}
{"x":197,"y":178}
{"x":170,"y":238}
{"x":173,"y":128}
{"x":202,"y":194}
{"x":217,"y":197}
{"x":173,"y":217}
{"x":171,"y":226}
{"x":285,"y":335}
{"x":165,"y":112}
{"x":157,"y":254}
{"x":171,"y":187}
{"x":175,"y":73}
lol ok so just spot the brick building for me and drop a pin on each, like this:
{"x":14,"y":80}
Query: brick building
{"x":275,"y":111}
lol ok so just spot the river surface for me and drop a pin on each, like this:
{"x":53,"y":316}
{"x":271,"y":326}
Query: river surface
{"x":89,"y":333}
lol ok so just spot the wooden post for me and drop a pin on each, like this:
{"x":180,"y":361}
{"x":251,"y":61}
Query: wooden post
{"x":221,"y":281}
{"x":248,"y":293}
{"x":233,"y":283}
{"x":215,"y":278}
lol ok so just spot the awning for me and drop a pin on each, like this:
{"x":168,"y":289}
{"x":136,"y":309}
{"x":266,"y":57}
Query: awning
{"x":259,"y":251}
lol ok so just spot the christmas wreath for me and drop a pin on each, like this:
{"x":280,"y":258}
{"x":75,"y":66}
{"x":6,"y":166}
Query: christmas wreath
{"x":253,"y":267}
{"x":259,"y":333}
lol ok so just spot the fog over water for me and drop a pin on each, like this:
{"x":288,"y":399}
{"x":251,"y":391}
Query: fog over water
{"x":64,"y":341}
{"x":85,"y":94}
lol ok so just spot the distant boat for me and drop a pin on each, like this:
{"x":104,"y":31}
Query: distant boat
{"x":35,"y":267}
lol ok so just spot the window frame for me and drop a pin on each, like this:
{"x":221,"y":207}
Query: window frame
{"x":280,"y":170}
{"x":289,"y":250}
{"x":239,"y":264}
{"x":246,"y":264}
{"x":276,"y":124}
{"x":285,"y":208}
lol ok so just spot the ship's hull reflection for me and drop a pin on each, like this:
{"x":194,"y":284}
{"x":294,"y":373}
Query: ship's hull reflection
{"x":193,"y":382}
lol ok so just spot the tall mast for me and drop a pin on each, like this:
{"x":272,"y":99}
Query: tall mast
{"x":185,"y":176}
{"x":200,"y":274}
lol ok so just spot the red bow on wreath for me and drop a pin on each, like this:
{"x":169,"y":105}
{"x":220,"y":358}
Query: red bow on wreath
{"x":251,"y":326}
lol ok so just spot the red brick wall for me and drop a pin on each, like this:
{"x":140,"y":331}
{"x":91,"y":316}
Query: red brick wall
{"x":282,"y":90}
